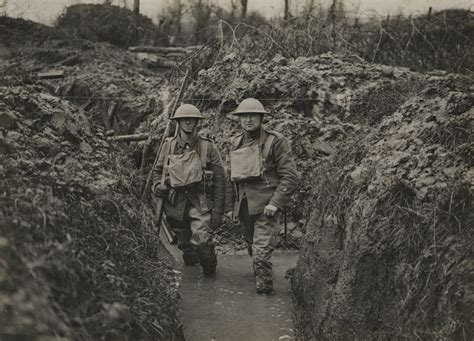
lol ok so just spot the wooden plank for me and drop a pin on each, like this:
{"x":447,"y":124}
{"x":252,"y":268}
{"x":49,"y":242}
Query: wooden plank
{"x":51,"y":74}
{"x":163,"y":50}
{"x":129,"y":138}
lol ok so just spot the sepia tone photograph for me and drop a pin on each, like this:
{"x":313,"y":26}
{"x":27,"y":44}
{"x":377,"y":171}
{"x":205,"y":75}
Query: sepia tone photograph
{"x":233,"y":170}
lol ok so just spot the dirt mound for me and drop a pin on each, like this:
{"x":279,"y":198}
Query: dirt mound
{"x":16,"y":32}
{"x":110,"y":84}
{"x":388,"y":248}
{"x":79,"y":254}
{"x":317,"y":102}
{"x":113,"y":24}
{"x":386,"y":161}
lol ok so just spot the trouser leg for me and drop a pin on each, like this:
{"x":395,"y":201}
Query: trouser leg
{"x":200,"y":224}
{"x":264,"y":242}
{"x":247,"y":224}
{"x":183,"y":233}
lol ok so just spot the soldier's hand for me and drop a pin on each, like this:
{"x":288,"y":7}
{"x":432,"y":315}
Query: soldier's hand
{"x":216,"y":219}
{"x":270,"y":210}
{"x":161,"y":191}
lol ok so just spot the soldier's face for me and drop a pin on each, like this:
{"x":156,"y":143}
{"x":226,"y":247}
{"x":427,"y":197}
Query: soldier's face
{"x":187,"y":124}
{"x":251,"y":121}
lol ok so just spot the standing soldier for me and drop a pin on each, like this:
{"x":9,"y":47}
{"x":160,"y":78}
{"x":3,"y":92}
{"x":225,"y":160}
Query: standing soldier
{"x":190,"y":178}
{"x":264,"y":175}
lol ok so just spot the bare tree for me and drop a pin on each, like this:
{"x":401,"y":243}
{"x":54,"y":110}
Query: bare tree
{"x":309,"y":8}
{"x":136,"y":6}
{"x":244,"y":4}
{"x":107,"y":2}
{"x":287,"y":9}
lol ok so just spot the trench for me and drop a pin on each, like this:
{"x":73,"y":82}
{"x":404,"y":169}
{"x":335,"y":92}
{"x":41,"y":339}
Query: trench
{"x":226,"y":306}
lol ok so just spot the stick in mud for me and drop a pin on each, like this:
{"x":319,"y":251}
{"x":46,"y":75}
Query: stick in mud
{"x":166,"y":134}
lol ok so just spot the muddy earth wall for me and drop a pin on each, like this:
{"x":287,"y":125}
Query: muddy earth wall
{"x":79,"y":255}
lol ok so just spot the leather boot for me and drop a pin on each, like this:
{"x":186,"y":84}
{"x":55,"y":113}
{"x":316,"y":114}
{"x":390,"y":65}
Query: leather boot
{"x":208,"y":259}
{"x":190,"y":256}
{"x":263,"y":281}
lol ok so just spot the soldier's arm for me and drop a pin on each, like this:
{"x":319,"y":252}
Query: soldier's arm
{"x":158,"y":170}
{"x":288,"y":177}
{"x":218,"y":168}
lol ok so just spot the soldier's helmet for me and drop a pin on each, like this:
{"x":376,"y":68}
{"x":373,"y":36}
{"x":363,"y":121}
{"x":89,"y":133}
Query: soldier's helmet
{"x":250,"y":106}
{"x":187,"y":111}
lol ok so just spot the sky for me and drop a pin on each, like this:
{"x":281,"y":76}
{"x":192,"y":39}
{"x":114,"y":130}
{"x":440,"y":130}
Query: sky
{"x":46,"y":11}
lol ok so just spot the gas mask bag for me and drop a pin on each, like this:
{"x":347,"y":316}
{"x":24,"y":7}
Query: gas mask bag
{"x":246,"y":163}
{"x":185,"y":169}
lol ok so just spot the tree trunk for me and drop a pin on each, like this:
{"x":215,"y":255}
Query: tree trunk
{"x":3,"y":8}
{"x":287,"y":9}
{"x":136,"y":6}
{"x":180,"y":14}
{"x":244,"y":8}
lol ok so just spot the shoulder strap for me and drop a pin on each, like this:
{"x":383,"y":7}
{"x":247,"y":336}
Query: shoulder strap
{"x":203,"y":145}
{"x":236,"y":141}
{"x":267,"y":146}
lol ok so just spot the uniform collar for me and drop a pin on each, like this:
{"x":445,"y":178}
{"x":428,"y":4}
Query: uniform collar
{"x":254,"y":135}
{"x":191,"y":143}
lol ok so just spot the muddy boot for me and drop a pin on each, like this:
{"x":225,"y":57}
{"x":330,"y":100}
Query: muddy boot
{"x":208,"y":259}
{"x":190,"y":257}
{"x":263,"y":280}
{"x":264,"y":285}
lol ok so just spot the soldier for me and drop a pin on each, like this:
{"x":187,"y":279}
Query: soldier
{"x":190,"y":178}
{"x":264,"y":176}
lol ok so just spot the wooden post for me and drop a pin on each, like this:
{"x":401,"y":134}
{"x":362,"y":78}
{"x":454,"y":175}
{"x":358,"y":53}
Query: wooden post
{"x":333,"y":24}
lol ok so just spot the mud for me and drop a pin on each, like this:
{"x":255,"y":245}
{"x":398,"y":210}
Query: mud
{"x":227,"y":308}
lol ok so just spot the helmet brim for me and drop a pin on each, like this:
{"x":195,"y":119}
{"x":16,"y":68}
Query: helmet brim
{"x":241,"y":112}
{"x":187,"y":116}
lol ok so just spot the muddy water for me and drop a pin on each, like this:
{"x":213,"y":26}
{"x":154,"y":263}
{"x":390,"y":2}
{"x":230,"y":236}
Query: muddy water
{"x":227,"y":308}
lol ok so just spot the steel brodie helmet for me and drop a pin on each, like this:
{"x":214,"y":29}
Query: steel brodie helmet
{"x":250,"y":106}
{"x":187,"y":111}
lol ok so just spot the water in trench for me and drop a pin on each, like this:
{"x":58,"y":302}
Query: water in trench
{"x":227,"y":307}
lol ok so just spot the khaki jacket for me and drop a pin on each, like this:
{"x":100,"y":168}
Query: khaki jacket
{"x":204,"y":196}
{"x":280,"y":178}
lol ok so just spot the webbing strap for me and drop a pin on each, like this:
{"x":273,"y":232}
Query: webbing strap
{"x":203,"y":152}
{"x":267,"y":146}
{"x":237,"y":141}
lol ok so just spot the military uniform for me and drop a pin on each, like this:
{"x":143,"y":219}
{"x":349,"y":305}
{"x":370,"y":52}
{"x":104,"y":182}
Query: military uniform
{"x":191,"y":210}
{"x":275,"y":186}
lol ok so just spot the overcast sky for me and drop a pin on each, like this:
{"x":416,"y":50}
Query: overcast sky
{"x":46,"y":11}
